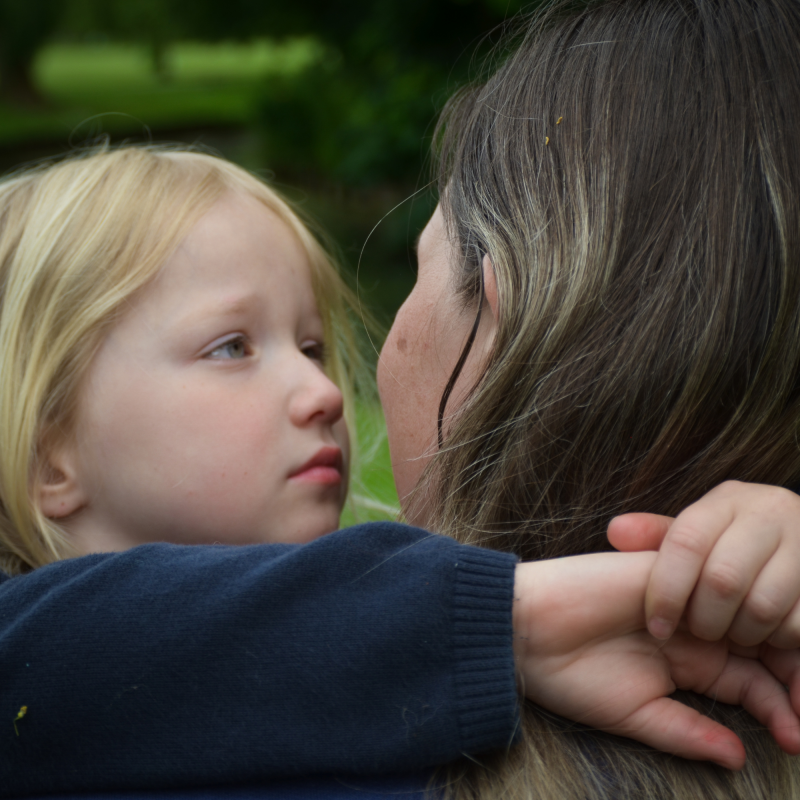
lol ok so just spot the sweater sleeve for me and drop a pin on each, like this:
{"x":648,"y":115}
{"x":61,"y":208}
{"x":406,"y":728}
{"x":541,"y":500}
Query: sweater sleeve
{"x":379,"y":648}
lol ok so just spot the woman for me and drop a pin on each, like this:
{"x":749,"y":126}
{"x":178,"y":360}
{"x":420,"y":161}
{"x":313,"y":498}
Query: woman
{"x":616,"y":257}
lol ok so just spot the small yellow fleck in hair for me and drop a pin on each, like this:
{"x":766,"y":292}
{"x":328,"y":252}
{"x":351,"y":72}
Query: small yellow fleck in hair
{"x":558,"y":121}
{"x":20,"y":714}
{"x":547,"y":140}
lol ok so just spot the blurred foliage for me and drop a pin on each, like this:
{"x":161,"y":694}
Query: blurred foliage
{"x":24,"y":26}
{"x":372,"y":492}
{"x":364,"y":113}
{"x":338,"y":98}
{"x":360,"y":114}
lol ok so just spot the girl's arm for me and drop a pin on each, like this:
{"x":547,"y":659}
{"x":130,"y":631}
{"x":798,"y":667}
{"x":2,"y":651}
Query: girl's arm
{"x":376,"y":649}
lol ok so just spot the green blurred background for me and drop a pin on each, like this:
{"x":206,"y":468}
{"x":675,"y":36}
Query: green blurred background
{"x":334,"y":102}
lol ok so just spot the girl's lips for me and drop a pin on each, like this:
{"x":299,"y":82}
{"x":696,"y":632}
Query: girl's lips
{"x":325,"y":468}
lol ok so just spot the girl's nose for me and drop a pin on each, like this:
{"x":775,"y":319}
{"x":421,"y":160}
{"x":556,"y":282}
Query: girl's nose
{"x":316,"y":397}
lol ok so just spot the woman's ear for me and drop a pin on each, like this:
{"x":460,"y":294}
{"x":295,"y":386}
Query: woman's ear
{"x":489,"y":284}
{"x":58,"y":488}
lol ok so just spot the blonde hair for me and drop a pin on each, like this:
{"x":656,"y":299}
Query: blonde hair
{"x":633,"y":171}
{"x":78,"y":239}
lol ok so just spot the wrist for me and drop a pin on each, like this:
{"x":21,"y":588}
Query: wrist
{"x":521,"y":618}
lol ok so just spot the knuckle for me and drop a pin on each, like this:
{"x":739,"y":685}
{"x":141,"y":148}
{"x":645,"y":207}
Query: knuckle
{"x":730,"y":487}
{"x":725,"y":580}
{"x":764,"y":608}
{"x":761,"y":496}
{"x":747,"y":689}
{"x":787,"y":637}
{"x":782,"y":500}
{"x":688,"y":537}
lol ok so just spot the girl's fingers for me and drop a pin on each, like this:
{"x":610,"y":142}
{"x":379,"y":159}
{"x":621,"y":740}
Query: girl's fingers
{"x":635,"y":532}
{"x":747,"y":683}
{"x":750,"y":519}
{"x":787,"y":635}
{"x":730,"y":571}
{"x":675,"y":728}
{"x":770,"y":606}
{"x":680,"y":561}
{"x":785,"y":666}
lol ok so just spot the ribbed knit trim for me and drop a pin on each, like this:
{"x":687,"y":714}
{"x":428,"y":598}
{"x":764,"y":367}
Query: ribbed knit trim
{"x":488,"y":707}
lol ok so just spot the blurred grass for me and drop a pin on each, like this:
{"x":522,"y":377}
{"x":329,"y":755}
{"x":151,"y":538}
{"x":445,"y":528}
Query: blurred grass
{"x":372,"y":492}
{"x":113,"y":88}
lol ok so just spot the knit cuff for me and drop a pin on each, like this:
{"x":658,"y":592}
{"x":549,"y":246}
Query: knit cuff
{"x":485,"y":682}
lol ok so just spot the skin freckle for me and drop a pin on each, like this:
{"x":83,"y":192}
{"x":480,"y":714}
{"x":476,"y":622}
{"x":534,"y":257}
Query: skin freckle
{"x":402,"y":344}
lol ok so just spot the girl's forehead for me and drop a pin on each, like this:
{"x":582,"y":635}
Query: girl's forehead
{"x":239,"y":229}
{"x":238,"y":254}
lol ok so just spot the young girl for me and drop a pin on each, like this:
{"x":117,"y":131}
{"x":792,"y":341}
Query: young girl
{"x":140,"y":347}
{"x":173,"y":342}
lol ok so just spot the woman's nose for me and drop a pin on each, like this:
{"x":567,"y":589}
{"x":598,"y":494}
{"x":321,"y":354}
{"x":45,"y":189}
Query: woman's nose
{"x":316,"y":397}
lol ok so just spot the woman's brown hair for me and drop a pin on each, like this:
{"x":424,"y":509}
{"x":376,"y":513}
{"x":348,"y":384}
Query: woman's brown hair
{"x":633,"y":171}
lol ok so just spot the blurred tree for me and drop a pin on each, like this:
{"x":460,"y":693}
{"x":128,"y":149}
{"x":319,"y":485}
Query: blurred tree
{"x":152,"y":22}
{"x":361,"y":116}
{"x":24,"y":26}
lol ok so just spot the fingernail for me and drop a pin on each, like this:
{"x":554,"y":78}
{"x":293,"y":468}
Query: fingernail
{"x":660,"y":628}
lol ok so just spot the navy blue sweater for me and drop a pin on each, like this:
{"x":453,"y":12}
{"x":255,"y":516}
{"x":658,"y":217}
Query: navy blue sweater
{"x":380,"y":648}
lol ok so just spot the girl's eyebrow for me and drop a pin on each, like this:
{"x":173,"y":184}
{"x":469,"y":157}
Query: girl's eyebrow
{"x":217,"y":307}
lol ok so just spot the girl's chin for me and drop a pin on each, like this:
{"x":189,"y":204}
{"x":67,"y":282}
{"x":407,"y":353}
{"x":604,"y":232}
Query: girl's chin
{"x":308,"y":530}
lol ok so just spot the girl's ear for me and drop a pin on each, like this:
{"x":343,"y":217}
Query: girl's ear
{"x":490,"y":285}
{"x":58,"y":488}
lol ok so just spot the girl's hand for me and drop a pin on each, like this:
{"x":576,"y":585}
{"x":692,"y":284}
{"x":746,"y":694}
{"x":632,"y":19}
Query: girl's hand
{"x":731,"y":561}
{"x":582,"y":651}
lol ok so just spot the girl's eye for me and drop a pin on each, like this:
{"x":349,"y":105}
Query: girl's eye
{"x":313,"y":350}
{"x":232,"y":349}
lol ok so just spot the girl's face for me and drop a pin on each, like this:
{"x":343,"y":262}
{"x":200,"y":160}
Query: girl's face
{"x":421,"y":351}
{"x":207,"y":415}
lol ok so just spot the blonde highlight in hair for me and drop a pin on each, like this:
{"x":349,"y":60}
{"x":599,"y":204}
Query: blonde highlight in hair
{"x":633,"y":171}
{"x":78,"y":240}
